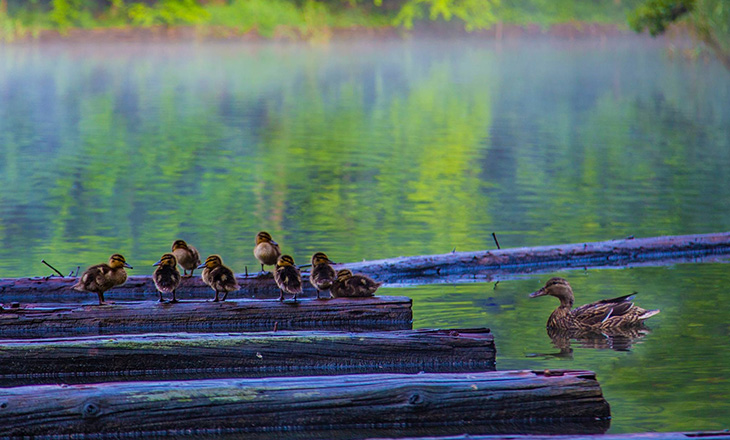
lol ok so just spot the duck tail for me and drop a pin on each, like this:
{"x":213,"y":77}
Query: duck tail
{"x":648,"y":314}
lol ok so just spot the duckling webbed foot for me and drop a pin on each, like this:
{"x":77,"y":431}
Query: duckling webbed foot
{"x":216,"y":297}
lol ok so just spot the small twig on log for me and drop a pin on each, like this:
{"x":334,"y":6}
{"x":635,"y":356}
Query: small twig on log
{"x":494,"y":236}
{"x":54,"y":269}
{"x":246,"y":269}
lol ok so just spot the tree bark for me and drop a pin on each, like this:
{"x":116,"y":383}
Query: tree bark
{"x":360,"y":314}
{"x":198,"y":356}
{"x":452,"y":267}
{"x":303,"y":403}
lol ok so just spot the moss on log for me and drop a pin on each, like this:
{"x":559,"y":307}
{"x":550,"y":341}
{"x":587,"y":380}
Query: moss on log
{"x":302,"y":403}
{"x":191,"y":356}
{"x":360,"y":314}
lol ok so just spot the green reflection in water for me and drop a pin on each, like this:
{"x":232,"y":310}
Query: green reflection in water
{"x":373,"y":151}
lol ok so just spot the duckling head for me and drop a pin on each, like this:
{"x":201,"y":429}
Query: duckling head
{"x":559,"y":288}
{"x":117,"y":261}
{"x":179,"y":244}
{"x":343,"y":275}
{"x":264,"y":237}
{"x":167,"y":260}
{"x":212,"y":262}
{"x":320,"y":258}
{"x":285,"y":260}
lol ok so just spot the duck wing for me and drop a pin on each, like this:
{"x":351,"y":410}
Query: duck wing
{"x":594,"y":314}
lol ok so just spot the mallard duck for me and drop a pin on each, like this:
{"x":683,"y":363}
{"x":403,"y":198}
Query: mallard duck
{"x":349,"y":285}
{"x":287,"y":277}
{"x":102,"y":277}
{"x":266,"y":250}
{"x":187,"y":257}
{"x":166,"y":276}
{"x":219,"y":277}
{"x":604,"y":314}
{"x":322,"y":275}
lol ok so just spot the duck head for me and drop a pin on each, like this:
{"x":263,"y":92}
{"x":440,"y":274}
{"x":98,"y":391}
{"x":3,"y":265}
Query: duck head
{"x":264,"y":237}
{"x":285,"y":260}
{"x":179,"y":244}
{"x":117,"y":261}
{"x":212,"y":262}
{"x":344,"y":274}
{"x":167,"y":260}
{"x":559,"y":288}
{"x":320,"y":258}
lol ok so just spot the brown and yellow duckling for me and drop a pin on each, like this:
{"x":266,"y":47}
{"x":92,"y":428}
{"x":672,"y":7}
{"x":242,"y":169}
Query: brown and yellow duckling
{"x":604,"y":314}
{"x":287,"y":277}
{"x":166,"y":276}
{"x":353,"y":286}
{"x":102,"y":277}
{"x":187,"y":257}
{"x":322,"y":275}
{"x":219,"y":277}
{"x":266,"y":250}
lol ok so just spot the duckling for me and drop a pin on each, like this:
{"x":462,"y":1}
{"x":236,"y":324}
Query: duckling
{"x":322,"y":275}
{"x":604,"y":314}
{"x":349,"y":285}
{"x":287,"y":277}
{"x":102,"y":277}
{"x":219,"y":277}
{"x":166,"y":276}
{"x":267,"y":250}
{"x":187,"y":256}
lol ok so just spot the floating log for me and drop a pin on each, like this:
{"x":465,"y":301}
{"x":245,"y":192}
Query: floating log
{"x":714,"y":435}
{"x":302,"y":403}
{"x":344,"y":314}
{"x":451,"y":267}
{"x":197,"y":356}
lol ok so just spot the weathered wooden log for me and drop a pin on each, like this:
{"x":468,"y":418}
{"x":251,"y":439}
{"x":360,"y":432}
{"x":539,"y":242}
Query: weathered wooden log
{"x":451,"y":267}
{"x":714,"y":435}
{"x":302,"y":403}
{"x":197,"y":356}
{"x":359,"y":314}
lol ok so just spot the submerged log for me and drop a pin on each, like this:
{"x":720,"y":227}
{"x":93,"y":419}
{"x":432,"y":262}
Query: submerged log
{"x":191,"y":356}
{"x":360,"y":314}
{"x":302,"y":403}
{"x":451,"y":267}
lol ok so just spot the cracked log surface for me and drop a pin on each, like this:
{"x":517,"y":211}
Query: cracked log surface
{"x":304,"y":403}
{"x":191,"y":356}
{"x":344,"y":314}
{"x":452,"y":267}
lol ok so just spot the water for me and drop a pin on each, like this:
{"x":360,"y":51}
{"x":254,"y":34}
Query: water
{"x":375,"y":150}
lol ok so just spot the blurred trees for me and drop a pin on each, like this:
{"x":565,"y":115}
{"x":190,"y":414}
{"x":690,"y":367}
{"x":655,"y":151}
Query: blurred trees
{"x":709,"y":20}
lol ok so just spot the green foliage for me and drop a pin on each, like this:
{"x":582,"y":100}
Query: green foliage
{"x":167,"y":12}
{"x":476,"y":14}
{"x":656,"y":15}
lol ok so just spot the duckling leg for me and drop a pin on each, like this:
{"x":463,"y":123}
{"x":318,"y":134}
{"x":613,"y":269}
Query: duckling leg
{"x":101,"y":298}
{"x":281,"y":295}
{"x":216,"y":297}
{"x":161,"y":300}
{"x":225,"y":295}
{"x":174,"y":299}
{"x":317,"y":293}
{"x":295,"y":297}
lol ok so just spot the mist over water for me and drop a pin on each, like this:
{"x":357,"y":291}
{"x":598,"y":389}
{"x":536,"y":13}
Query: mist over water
{"x":381,"y":149}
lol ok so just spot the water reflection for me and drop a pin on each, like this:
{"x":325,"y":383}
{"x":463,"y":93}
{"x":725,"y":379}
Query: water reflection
{"x":619,"y":339}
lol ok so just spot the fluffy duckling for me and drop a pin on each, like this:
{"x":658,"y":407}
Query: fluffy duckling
{"x":102,"y":277}
{"x":187,"y":257}
{"x":219,"y":277}
{"x":604,"y":314}
{"x":166,"y":276}
{"x":266,"y":250}
{"x":349,"y":285}
{"x":287,"y":277}
{"x":322,"y":275}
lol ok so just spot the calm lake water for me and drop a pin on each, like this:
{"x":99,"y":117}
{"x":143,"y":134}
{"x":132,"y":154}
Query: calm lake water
{"x":395,"y":148}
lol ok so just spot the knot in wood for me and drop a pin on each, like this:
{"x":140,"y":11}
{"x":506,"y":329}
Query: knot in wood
{"x":90,"y":409}
{"x":415,"y":399}
{"x":3,"y":405}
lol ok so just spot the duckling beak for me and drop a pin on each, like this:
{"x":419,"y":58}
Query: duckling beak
{"x":540,"y":292}
{"x":128,"y":266}
{"x":202,"y":266}
{"x":274,"y":243}
{"x":158,"y":263}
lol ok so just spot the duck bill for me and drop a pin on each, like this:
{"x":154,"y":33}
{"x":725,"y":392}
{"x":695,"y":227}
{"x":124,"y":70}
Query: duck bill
{"x":274,"y":243}
{"x":540,"y":292}
{"x":128,"y":266}
{"x":202,"y":266}
{"x":158,"y":263}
